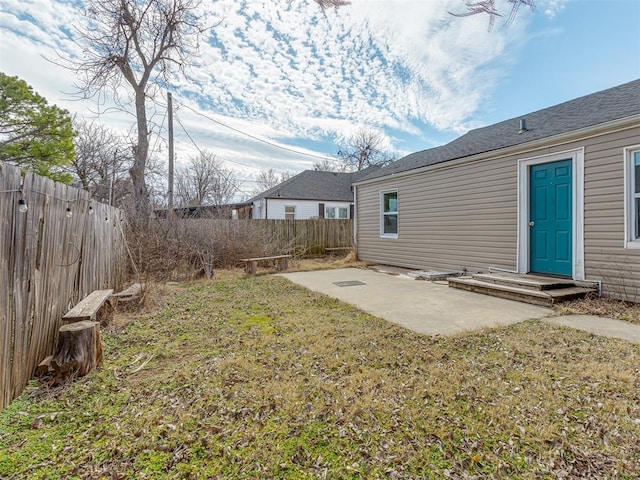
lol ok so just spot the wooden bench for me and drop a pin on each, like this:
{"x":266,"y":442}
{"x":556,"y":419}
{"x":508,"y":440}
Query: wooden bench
{"x":94,"y":307}
{"x":251,"y":264}
{"x":131,"y":293}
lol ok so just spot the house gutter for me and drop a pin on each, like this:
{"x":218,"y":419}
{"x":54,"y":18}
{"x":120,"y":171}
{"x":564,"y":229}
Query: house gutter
{"x":355,"y":223}
{"x":522,"y":148}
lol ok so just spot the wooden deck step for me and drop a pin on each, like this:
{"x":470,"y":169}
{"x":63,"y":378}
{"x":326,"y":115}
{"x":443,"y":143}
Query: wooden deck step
{"x":535,"y":282}
{"x":519,"y":293}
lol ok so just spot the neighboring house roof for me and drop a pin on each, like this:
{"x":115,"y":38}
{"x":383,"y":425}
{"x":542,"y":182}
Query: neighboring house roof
{"x":316,"y":185}
{"x":601,"y":107}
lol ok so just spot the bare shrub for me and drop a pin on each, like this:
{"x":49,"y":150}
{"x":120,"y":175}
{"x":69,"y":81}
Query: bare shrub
{"x":169,"y":249}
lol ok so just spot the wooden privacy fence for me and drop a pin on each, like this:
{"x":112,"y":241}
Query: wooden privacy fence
{"x":52,"y":255}
{"x":303,"y":237}
{"x":268,"y":237}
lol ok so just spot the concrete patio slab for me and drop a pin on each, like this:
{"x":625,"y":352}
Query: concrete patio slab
{"x":608,"y":327}
{"x":425,"y":307}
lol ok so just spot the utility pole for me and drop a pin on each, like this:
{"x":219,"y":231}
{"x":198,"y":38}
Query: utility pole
{"x":113,"y":177}
{"x":170,"y":118}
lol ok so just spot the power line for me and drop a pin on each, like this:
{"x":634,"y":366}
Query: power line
{"x":200,"y":150}
{"x":185,"y":131}
{"x":275,"y":145}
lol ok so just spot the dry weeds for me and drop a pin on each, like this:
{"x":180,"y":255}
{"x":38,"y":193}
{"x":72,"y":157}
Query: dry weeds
{"x":254,"y":377}
{"x":607,"y":307}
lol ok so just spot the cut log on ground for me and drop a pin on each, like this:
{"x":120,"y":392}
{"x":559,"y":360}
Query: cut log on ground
{"x":79,"y":349}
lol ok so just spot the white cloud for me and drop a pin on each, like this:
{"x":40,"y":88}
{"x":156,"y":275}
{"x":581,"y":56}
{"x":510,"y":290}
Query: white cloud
{"x":282,"y":71}
{"x":551,"y":8}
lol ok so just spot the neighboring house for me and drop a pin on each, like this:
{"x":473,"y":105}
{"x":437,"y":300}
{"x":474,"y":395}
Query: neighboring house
{"x":310,"y":194}
{"x":554,"y":192}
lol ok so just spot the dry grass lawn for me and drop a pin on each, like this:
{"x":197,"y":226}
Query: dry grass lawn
{"x":607,"y":307}
{"x":255,"y":377}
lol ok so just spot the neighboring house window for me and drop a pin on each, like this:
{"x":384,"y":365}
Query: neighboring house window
{"x":632,"y":206}
{"x":336,"y":212}
{"x":289,"y":212}
{"x":389,"y":214}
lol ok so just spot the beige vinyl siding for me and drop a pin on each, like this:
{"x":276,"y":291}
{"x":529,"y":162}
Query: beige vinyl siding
{"x":464,"y":216}
{"x":449,"y":218}
{"x":606,"y":258}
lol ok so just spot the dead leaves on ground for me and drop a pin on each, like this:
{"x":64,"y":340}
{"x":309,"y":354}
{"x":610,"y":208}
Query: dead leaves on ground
{"x":256,"y":378}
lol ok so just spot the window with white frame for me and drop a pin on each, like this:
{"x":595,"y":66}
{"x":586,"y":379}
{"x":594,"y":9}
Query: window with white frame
{"x":632,"y":197}
{"x":289,"y":212}
{"x":389,"y":208}
{"x":336,"y":212}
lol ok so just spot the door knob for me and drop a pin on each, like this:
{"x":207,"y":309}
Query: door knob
{"x":532,"y":223}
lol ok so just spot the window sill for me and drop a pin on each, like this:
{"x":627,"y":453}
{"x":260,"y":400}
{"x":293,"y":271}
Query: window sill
{"x":392,"y":235}
{"x":633,"y":245}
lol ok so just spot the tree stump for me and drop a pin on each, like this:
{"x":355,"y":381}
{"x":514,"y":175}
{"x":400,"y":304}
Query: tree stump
{"x":79,"y":349}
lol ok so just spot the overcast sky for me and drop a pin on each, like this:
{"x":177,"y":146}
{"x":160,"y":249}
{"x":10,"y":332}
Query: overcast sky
{"x":286,"y":73}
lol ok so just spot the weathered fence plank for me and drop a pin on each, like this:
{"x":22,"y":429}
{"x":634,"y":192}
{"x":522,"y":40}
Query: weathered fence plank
{"x":273,"y":237}
{"x":48,"y":261}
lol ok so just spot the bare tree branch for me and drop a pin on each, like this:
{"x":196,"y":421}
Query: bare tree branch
{"x":267,"y":179}
{"x":138,"y":44}
{"x":205,"y":180}
{"x":364,"y":149}
{"x":489,"y":7}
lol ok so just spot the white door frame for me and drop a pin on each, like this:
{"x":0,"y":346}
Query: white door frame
{"x":577,"y":189}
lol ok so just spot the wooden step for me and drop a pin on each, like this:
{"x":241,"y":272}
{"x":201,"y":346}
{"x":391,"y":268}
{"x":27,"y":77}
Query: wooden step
{"x":528,"y":295}
{"x":534,"y":282}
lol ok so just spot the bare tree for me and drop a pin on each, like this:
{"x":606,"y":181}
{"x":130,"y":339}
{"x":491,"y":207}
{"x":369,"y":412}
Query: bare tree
{"x":489,"y":7}
{"x":102,"y":160}
{"x":329,"y":166}
{"x":324,"y":4}
{"x":205,"y":180}
{"x":364,"y":149}
{"x":267,"y":179}
{"x":136,"y":44}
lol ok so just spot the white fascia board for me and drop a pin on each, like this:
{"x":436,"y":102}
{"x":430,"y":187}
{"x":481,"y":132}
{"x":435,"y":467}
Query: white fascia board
{"x":522,"y":148}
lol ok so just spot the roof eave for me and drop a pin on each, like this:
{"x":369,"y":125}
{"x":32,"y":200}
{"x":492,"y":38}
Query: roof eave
{"x":311,"y":199}
{"x":582,"y":133}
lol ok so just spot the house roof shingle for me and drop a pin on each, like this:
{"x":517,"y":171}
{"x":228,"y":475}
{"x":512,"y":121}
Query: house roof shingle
{"x":594,"y":109}
{"x":316,"y":185}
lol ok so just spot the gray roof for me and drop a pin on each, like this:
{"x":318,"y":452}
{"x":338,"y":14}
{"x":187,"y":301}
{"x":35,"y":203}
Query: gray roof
{"x":601,"y":107}
{"x":316,"y":185}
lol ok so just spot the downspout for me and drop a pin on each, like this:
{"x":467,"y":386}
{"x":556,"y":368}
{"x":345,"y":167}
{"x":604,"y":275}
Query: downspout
{"x":355,"y":224}
{"x":266,"y":213}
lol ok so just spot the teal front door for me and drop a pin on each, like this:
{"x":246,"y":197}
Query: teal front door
{"x":550,"y":218}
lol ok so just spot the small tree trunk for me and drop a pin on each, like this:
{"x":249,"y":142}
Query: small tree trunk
{"x":138,"y":169}
{"x":79,"y":349}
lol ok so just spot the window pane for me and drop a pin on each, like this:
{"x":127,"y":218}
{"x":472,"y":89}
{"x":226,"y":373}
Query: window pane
{"x":391,"y":224}
{"x":391,"y":202}
{"x":636,"y":169}
{"x":637,"y":219}
{"x":343,"y":213}
{"x":330,"y":212}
